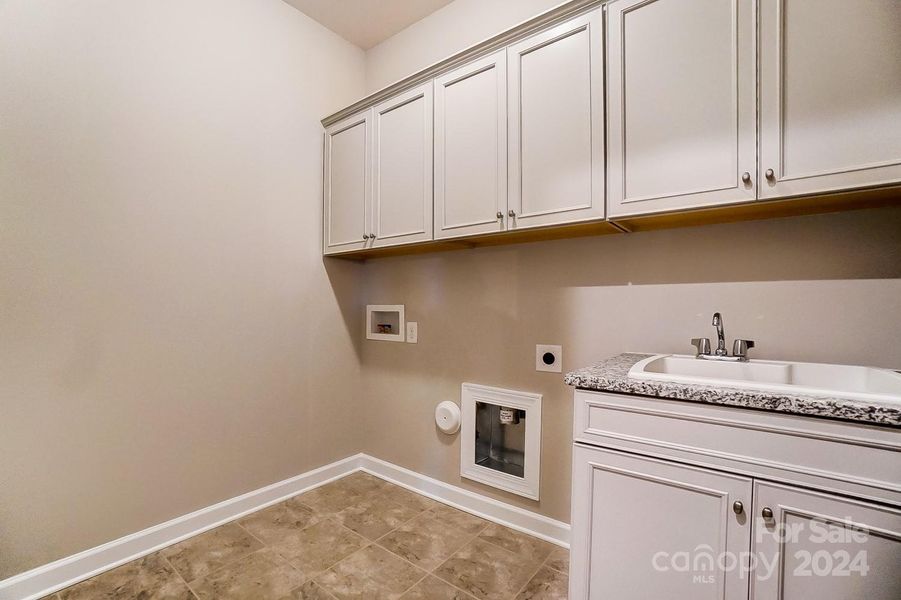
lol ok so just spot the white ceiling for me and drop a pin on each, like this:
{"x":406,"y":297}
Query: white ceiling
{"x":365,"y":23}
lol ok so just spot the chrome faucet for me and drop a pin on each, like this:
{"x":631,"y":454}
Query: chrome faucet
{"x":739,"y":347}
{"x":720,"y":335}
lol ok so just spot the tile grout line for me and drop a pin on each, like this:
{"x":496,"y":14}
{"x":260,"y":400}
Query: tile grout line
{"x":470,"y":540}
{"x":431,"y":572}
{"x":313,"y":578}
{"x":552,"y":568}
{"x":330,"y":517}
{"x":225,"y":565}
{"x":319,"y":518}
{"x":180,"y":576}
{"x":534,"y":573}
{"x":531,"y":577}
{"x":428,"y":572}
{"x":248,"y":532}
{"x":342,"y":559}
{"x":382,"y":494}
{"x":375,"y":543}
{"x":233,"y":562}
{"x":328,"y":568}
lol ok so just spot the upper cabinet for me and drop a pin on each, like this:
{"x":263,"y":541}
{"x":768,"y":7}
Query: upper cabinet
{"x":402,"y":169}
{"x":830,"y":95}
{"x":471,"y":148}
{"x":681,"y":104}
{"x":556,"y":124}
{"x":346,"y":184}
{"x":706,"y":104}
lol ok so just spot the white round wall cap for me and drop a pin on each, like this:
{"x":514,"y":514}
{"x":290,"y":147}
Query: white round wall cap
{"x":447,"y":417}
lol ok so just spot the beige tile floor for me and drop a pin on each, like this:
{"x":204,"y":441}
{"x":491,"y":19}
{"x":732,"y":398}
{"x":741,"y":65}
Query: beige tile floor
{"x":358,"y":537}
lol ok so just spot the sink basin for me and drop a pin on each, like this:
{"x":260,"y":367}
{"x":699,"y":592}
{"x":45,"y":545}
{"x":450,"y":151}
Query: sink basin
{"x":795,"y":378}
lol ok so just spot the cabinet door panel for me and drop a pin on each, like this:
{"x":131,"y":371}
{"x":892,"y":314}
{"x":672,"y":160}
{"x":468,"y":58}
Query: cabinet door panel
{"x":830,"y":94}
{"x":824,"y":547}
{"x":556,"y":124}
{"x":346,"y":184}
{"x":635,"y":521}
{"x":682,"y":104}
{"x":471,"y":148}
{"x":402,"y":168}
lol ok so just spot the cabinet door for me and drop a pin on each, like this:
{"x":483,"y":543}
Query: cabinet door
{"x":471,"y":148}
{"x":681,"y":104}
{"x":830,"y":93}
{"x":556,"y":124}
{"x":402,"y":169}
{"x":346,"y":184}
{"x":644,"y":528}
{"x":824,"y":547}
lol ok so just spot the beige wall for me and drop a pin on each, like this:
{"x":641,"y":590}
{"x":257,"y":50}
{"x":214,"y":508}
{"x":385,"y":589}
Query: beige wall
{"x":450,"y":29}
{"x":169,"y":337}
{"x":822,"y":288}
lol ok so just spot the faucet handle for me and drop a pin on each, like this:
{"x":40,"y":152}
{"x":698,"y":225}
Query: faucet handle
{"x":740,"y":348}
{"x":702,"y":345}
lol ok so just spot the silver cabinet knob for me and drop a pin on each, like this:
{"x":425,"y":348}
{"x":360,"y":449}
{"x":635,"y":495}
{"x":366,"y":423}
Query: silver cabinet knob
{"x":371,"y":236}
{"x":746,"y":177}
{"x":511,"y":213}
{"x":500,"y":215}
{"x":738,"y":507}
{"x":770,"y":174}
{"x":767,"y":513}
{"x":365,"y":236}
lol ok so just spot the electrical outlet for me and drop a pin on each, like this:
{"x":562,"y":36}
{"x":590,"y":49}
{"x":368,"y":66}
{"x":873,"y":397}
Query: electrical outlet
{"x":412,"y":332}
{"x":549,"y":358}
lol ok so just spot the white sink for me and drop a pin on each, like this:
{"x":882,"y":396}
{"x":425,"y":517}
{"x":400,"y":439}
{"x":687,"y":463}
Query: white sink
{"x":814,"y":379}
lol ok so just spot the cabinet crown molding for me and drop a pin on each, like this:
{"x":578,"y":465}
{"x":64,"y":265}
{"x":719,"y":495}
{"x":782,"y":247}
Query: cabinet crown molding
{"x":496,"y":42}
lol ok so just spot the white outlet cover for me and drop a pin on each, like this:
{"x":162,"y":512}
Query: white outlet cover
{"x":556,"y":358}
{"x":412,"y":332}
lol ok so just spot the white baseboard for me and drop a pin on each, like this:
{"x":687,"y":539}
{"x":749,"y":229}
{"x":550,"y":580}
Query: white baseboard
{"x":511,"y":516}
{"x":62,"y":573}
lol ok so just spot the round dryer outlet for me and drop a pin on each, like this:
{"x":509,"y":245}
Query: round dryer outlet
{"x":549,"y":358}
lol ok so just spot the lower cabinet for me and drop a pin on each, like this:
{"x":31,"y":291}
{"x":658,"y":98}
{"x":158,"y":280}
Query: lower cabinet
{"x":645,"y":528}
{"x":650,"y":528}
{"x":813,"y":545}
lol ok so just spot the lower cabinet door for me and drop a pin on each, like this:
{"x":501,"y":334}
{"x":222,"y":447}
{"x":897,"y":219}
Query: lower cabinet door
{"x":645,"y":528}
{"x":809,"y":545}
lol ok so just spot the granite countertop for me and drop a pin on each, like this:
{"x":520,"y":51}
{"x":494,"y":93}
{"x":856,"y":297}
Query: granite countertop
{"x":612,"y":375}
